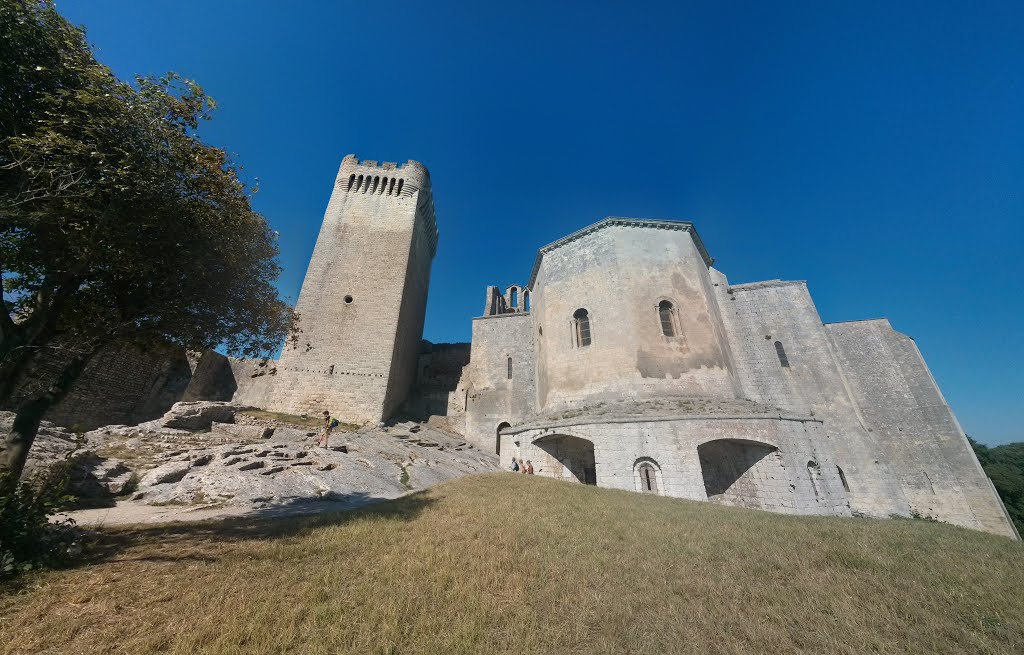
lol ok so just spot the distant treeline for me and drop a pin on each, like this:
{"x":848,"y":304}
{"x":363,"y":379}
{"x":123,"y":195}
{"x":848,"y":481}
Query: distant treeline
{"x":1005,"y":465}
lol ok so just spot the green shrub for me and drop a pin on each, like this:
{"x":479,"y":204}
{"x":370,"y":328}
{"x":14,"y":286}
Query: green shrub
{"x":28,"y":539}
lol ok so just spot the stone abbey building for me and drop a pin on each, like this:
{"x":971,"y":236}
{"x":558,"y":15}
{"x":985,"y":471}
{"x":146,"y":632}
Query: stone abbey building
{"x":626,"y":361}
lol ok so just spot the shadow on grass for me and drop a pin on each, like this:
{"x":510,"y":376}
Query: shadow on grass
{"x":201,"y":540}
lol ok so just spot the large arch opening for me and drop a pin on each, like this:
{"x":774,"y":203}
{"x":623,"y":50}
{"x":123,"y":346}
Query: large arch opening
{"x":568,"y":458}
{"x":497,"y":436}
{"x":743,"y":473}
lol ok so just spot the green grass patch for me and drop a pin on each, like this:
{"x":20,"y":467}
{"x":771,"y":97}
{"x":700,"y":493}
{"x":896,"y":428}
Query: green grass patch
{"x":504,"y":563}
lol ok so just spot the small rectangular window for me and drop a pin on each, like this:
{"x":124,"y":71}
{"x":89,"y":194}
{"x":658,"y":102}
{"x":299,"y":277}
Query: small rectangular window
{"x":509,"y":368}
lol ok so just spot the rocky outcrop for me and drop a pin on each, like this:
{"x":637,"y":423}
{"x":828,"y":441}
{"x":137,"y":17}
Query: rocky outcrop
{"x":198,"y":415}
{"x":256,"y":464}
{"x":374,"y":463}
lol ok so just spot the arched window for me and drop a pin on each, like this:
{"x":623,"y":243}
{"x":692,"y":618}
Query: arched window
{"x":400,"y":183}
{"x":391,"y":186}
{"x":513,"y":298}
{"x":526,"y":300}
{"x":376,"y":181}
{"x":581,"y":328}
{"x":646,"y":474}
{"x":666,"y":312}
{"x":383,"y":185}
{"x":813,"y":470}
{"x":781,"y":352}
{"x":842,"y":478}
{"x":351,"y":181}
{"x":509,"y":368}
{"x":359,"y":183}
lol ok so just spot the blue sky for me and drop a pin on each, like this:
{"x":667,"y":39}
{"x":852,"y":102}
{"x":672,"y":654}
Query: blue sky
{"x":875,"y":149}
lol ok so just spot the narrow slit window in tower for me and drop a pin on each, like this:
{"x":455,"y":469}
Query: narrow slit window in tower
{"x":781,"y":352}
{"x":509,"y":368}
{"x":351,"y":181}
{"x":376,"y":181}
{"x":665,"y":311}
{"x":842,"y":478}
{"x":401,"y":182}
{"x":391,"y":186}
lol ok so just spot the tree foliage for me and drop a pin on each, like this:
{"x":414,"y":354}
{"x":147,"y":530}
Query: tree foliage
{"x":116,"y":221}
{"x":1004,"y":465}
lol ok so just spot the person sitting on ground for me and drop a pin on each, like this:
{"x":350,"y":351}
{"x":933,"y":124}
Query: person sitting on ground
{"x":529,"y":467}
{"x":515,"y":465}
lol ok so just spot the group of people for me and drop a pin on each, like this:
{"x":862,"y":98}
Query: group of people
{"x":526,"y":467}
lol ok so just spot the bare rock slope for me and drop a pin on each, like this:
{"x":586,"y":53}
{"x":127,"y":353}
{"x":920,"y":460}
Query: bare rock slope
{"x":209,"y":459}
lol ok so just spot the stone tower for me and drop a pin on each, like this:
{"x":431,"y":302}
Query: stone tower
{"x":364,"y":296}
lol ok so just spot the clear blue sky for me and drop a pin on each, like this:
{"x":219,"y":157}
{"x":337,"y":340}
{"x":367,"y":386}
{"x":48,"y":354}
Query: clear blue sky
{"x":875,"y":149}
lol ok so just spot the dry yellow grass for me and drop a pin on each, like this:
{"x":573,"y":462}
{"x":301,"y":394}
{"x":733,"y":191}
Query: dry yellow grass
{"x":503,"y":563}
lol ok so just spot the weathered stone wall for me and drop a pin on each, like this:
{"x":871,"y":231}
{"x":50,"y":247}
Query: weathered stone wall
{"x":902,"y":404}
{"x":212,"y":378}
{"x":619,"y":274}
{"x":123,"y":383}
{"x":364,"y":295}
{"x":675,"y":445}
{"x":760,"y":314}
{"x":438,"y":390}
{"x":493,"y":398}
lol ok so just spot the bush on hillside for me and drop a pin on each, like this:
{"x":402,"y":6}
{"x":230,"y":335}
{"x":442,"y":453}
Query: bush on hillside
{"x":28,"y":538}
{"x":1005,"y":466}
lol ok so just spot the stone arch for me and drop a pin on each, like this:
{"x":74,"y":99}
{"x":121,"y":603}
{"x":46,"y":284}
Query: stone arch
{"x":743,"y":473}
{"x":497,"y":436}
{"x":568,"y":458}
{"x":647,"y":476}
{"x":512,"y":297}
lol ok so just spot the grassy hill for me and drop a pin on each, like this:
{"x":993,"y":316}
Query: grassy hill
{"x":502,"y":563}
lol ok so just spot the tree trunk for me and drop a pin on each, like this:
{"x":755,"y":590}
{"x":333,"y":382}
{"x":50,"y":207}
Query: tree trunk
{"x":18,"y":441}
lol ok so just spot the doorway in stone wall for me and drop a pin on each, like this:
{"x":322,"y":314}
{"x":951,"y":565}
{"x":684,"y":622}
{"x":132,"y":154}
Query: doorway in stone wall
{"x":497,"y":437}
{"x":568,"y":458}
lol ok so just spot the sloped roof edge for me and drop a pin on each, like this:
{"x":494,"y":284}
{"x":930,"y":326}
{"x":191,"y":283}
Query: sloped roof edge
{"x":655,"y":223}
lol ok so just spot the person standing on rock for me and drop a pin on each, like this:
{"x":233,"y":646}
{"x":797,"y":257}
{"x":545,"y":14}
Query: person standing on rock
{"x":329,"y":424}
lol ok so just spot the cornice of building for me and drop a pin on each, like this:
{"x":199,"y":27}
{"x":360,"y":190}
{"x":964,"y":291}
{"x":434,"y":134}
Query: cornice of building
{"x":650,"y":223}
